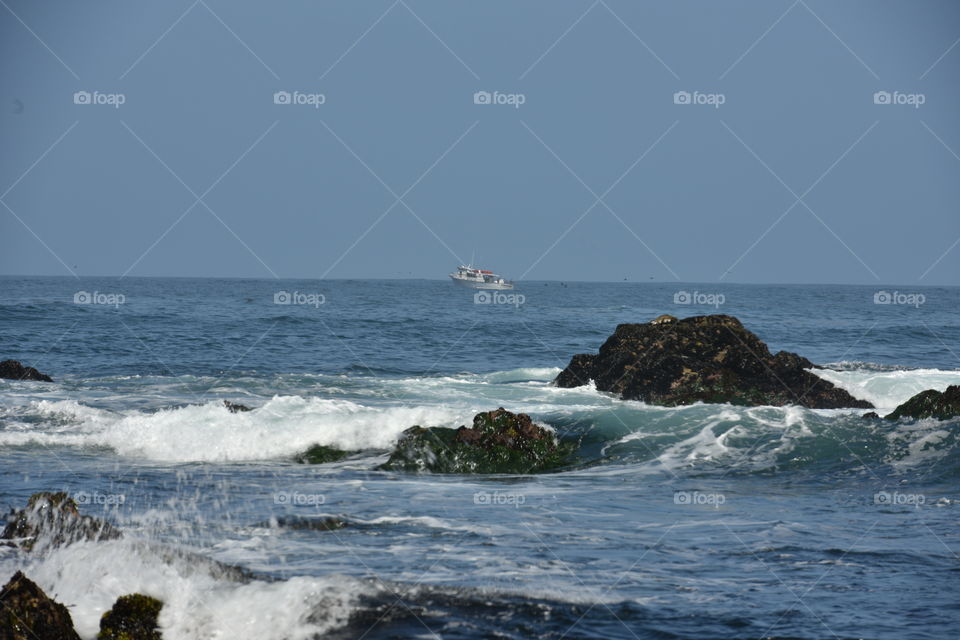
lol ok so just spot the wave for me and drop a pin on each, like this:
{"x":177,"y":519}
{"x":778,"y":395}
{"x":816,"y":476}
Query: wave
{"x":370,"y":415}
{"x":281,"y":428}
{"x":886,"y":387}
{"x":200,"y":599}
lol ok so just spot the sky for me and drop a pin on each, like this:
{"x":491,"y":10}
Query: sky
{"x":766,"y":141}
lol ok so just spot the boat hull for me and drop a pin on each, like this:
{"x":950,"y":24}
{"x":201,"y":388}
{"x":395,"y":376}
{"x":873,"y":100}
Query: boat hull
{"x":473,"y":284}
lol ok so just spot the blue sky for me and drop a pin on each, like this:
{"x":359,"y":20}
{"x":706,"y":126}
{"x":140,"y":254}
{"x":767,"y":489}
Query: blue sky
{"x":800,"y":174}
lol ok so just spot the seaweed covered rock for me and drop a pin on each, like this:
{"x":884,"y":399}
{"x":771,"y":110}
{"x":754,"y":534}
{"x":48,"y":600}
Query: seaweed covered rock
{"x":53,"y":519}
{"x":132,"y":617}
{"x":710,"y":359}
{"x":235,"y":407}
{"x":27,"y":613}
{"x":319,"y":454}
{"x":13,"y":370}
{"x":498,"y":442}
{"x":930,"y":404}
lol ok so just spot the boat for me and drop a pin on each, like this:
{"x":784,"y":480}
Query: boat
{"x":479,"y":279}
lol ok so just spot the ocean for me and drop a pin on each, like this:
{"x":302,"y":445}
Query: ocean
{"x":699,"y":522}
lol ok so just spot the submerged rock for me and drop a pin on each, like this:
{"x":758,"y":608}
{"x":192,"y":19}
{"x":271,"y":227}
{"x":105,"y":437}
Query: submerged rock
{"x":27,"y":613}
{"x":54,"y":520}
{"x":295,"y":523}
{"x":13,"y":370}
{"x":498,"y":442}
{"x":710,"y":359}
{"x":132,"y":617}
{"x":235,"y":407}
{"x":930,"y":404}
{"x":319,"y":454}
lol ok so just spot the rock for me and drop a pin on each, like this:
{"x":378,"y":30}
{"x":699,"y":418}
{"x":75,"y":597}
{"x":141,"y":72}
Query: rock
{"x":309,"y":524}
{"x":930,"y":404}
{"x":498,"y":442}
{"x":870,"y":415}
{"x":132,"y":617}
{"x":27,"y":613}
{"x":234,"y":407}
{"x":711,"y":359}
{"x":319,"y":454}
{"x":53,"y":519}
{"x":13,"y":370}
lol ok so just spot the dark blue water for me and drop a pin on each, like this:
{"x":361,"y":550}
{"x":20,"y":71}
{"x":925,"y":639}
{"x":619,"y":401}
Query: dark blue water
{"x":708,"y":521}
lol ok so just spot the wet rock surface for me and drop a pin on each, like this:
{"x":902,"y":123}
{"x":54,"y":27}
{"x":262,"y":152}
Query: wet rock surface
{"x":711,"y":359}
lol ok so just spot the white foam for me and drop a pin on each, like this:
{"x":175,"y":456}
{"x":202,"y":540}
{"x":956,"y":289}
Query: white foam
{"x":887,"y":389}
{"x":282,"y":427}
{"x":89,"y":577}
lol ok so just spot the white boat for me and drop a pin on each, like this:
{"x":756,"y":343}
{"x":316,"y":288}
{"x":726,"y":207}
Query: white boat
{"x":479,"y":279}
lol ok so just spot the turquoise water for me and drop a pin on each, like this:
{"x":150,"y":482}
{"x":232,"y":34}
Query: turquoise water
{"x":709,"y":521}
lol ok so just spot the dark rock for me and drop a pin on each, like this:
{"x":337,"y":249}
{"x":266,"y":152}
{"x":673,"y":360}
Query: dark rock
{"x":27,"y":613}
{"x":53,"y":519}
{"x":711,"y":359}
{"x":930,"y":404}
{"x":319,"y":454}
{"x":132,"y":617}
{"x":13,"y":370}
{"x":498,"y":442}
{"x":871,"y":415}
{"x":234,"y":407}
{"x":310,"y":524}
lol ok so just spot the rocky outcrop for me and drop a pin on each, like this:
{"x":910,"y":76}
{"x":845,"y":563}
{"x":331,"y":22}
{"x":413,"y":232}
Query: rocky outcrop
{"x":319,"y":454}
{"x":27,"y":613}
{"x":711,"y":359}
{"x":930,"y":404}
{"x":498,"y":442}
{"x":53,"y":519}
{"x":13,"y":370}
{"x":132,"y":617}
{"x":235,"y":407}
